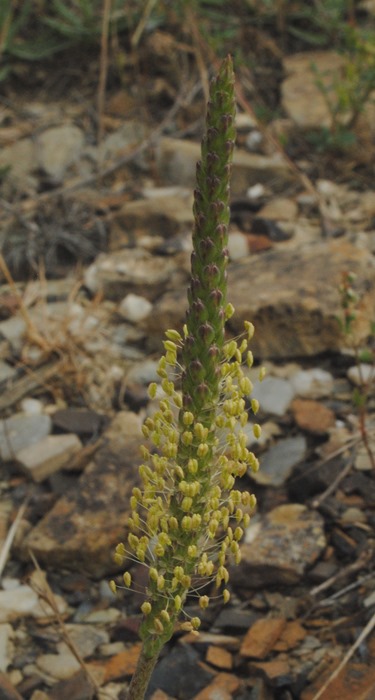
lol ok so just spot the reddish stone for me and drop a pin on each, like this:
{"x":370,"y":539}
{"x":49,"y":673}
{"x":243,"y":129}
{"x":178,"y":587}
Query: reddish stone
{"x":271,"y":669}
{"x":290,"y":637}
{"x":122,"y":664}
{"x":219,"y":657}
{"x":262,"y":636}
{"x":355,"y":682}
{"x":221,"y":688}
{"x":312,"y":416}
{"x":257,"y":243}
{"x":7,"y":690}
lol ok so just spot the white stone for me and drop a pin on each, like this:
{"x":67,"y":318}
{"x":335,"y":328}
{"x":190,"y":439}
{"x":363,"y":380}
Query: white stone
{"x":135,"y":308}
{"x":238,"y":245}
{"x":361,"y":374}
{"x":58,"y":148}
{"x":17,"y":602}
{"x":274,"y":395}
{"x":60,"y":666}
{"x":312,"y":383}
{"x":48,"y":455}
{"x":32,"y":407}
{"x":256,"y":191}
{"x":21,"y":431}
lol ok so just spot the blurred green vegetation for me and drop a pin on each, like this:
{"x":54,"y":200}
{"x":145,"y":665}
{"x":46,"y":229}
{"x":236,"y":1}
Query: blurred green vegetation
{"x":257,"y":32}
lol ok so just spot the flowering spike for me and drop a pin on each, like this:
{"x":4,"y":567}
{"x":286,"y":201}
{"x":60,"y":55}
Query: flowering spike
{"x":188,"y":492}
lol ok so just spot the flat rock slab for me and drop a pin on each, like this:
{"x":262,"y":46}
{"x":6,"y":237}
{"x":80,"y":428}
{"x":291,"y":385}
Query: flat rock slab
{"x":291,"y":296}
{"x":48,"y":455}
{"x":279,"y":461}
{"x":130,"y":271}
{"x":279,"y":547}
{"x":84,"y":526}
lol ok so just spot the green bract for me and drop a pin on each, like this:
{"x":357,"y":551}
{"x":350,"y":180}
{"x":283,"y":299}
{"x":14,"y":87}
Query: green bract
{"x":187,"y":517}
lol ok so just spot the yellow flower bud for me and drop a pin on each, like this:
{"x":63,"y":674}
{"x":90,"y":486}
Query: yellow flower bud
{"x":202,"y":449}
{"x":165,"y":616}
{"x":187,"y":418}
{"x":173,"y":335}
{"x":177,"y":602}
{"x":257,"y":430}
{"x":186,"y":503}
{"x":255,"y":405}
{"x":229,"y":311}
{"x":262,"y":373}
{"x":226,"y":595}
{"x":146,"y":607}
{"x":249,"y":328}
{"x":195,"y":623}
{"x":127,"y":579}
{"x":113,"y":587}
{"x":152,"y":389}
{"x":204,"y":601}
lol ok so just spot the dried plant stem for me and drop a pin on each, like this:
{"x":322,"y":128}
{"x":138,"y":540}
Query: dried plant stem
{"x":103,"y":65}
{"x":142,"y":675}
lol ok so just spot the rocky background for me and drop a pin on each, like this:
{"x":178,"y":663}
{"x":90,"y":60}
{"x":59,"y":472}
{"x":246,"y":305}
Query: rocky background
{"x":95,"y":238}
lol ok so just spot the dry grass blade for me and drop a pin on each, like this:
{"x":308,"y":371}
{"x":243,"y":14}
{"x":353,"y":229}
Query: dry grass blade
{"x":365,"y":633}
{"x":103,"y":65}
{"x":149,"y":6}
{"x":11,"y":535}
{"x":43,"y":590}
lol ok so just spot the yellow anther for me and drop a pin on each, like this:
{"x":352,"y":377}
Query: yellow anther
{"x":187,"y":418}
{"x":127,"y":579}
{"x":152,"y":389}
{"x":173,"y":335}
{"x":146,"y":607}
{"x":204,"y":601}
{"x":249,"y":328}
{"x":226,"y":595}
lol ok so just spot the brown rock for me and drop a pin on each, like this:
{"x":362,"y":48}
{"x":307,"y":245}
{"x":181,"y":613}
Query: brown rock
{"x":84,"y":526}
{"x":7,"y":690}
{"x":262,"y":636}
{"x":355,"y":682}
{"x":165,"y":215}
{"x":78,"y":687}
{"x":130,"y":271}
{"x":292,"y":634}
{"x":312,"y":416}
{"x":280,"y":547}
{"x":291,"y":296}
{"x":302,"y":100}
{"x":271,"y":670}
{"x":221,"y":688}
{"x":280,"y":209}
{"x":258,"y":243}
{"x":219,"y":657}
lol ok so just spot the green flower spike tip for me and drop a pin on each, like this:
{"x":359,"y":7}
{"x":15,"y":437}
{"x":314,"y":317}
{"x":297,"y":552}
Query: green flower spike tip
{"x":187,"y":516}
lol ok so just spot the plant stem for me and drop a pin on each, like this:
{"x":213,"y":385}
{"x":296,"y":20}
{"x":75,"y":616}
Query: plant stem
{"x":142,"y":676}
